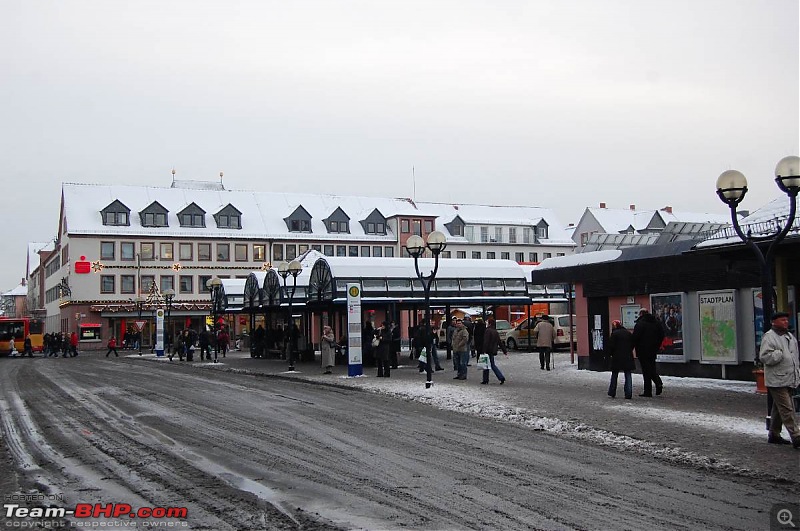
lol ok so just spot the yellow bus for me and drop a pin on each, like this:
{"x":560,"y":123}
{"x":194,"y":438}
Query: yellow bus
{"x":19,"y":328}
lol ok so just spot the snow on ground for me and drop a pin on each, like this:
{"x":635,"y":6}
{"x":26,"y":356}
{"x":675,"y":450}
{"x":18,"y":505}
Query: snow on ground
{"x":465,"y":400}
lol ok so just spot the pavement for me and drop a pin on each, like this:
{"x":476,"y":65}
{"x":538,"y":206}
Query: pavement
{"x":716,"y":425}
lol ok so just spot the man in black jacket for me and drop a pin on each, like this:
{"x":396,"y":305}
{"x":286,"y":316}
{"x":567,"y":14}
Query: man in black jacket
{"x":648,"y":335}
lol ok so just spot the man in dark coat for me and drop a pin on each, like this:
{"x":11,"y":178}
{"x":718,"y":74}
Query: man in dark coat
{"x":394,"y":354}
{"x":478,"y":332}
{"x":620,"y":350}
{"x":648,"y":335}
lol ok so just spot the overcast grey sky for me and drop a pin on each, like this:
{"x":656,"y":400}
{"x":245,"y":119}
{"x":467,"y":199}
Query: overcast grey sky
{"x":551,"y":103}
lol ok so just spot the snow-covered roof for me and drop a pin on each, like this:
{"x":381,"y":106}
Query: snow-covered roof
{"x":374,"y":267}
{"x":263,"y":213}
{"x":20,"y":291}
{"x":693,"y":217}
{"x":579,"y":259}
{"x":518,"y":216}
{"x":761,"y":222}
{"x":618,"y":220}
{"x":33,"y":253}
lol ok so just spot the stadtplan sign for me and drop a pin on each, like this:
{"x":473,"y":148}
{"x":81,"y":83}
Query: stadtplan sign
{"x":354,"y":362}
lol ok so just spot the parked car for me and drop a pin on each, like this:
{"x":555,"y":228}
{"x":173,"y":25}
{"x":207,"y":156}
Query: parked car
{"x":518,"y":337}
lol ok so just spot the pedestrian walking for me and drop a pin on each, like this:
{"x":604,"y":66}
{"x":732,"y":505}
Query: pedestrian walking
{"x":384,"y":335}
{"x":112,"y":347}
{"x":478,"y":335}
{"x":223,"y":341}
{"x":327,"y":348}
{"x":779,"y":354}
{"x":12,"y":348}
{"x":451,"y":329}
{"x":648,"y":334}
{"x":491,"y":342}
{"x":544,"y":333}
{"x":27,"y":346}
{"x":73,"y":344}
{"x":620,"y":352}
{"x":461,"y":349}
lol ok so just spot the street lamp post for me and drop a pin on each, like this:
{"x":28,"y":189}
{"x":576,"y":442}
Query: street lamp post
{"x":169,"y":295}
{"x":416,"y":246}
{"x":284,"y":270}
{"x":214,"y":284}
{"x":731,"y":189}
{"x":139,"y":302}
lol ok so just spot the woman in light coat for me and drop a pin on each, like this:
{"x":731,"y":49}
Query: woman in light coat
{"x":327,"y":347}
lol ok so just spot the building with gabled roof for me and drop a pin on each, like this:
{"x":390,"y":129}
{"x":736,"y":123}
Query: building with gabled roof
{"x":605,"y":220}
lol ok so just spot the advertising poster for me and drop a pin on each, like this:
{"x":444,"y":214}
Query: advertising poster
{"x":629,"y":313}
{"x":718,"y":326}
{"x":667,"y":308}
{"x":758,"y":314}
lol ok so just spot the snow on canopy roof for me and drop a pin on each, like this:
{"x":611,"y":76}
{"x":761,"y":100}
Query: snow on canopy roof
{"x":579,"y":259}
{"x":233,"y":286}
{"x":520,"y":216}
{"x":262,"y":212}
{"x":760,"y":222}
{"x":373,"y":267}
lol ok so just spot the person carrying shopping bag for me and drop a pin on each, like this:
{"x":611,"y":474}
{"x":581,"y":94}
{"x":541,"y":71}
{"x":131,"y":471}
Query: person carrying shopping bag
{"x":491,"y":342}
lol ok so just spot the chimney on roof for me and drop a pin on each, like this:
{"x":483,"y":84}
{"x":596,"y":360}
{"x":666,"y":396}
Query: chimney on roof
{"x":667,"y":209}
{"x":602,"y":205}
{"x":633,"y":207}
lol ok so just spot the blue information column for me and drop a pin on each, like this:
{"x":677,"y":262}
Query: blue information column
{"x":355,"y":365}
{"x":159,"y":332}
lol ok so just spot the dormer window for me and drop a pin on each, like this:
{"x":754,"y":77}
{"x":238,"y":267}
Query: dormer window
{"x":338,"y":226}
{"x":192,"y":216}
{"x":116,"y":214}
{"x":299,"y":220}
{"x":115,"y":218}
{"x":338,"y":222}
{"x":155,"y":215}
{"x":542,"y":230}
{"x":300,"y":225}
{"x":456,"y":227}
{"x":228,"y":218}
{"x":375,"y":223}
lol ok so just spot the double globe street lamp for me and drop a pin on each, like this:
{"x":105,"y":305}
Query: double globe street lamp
{"x":416,"y":246}
{"x":731,"y":189}
{"x":293,"y":268}
{"x":214,"y":284}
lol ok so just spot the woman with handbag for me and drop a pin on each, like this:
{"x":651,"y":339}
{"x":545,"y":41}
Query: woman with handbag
{"x":327,"y":347}
{"x":491,"y":342}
